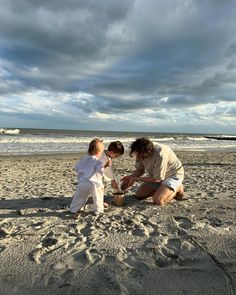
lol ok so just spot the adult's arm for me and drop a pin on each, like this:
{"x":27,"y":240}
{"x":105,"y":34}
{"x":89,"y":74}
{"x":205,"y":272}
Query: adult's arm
{"x":146,"y":179}
{"x":128,"y":180}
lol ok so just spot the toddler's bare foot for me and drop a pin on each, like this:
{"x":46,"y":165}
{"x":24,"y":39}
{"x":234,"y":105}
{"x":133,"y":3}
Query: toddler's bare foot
{"x":106,"y":205}
{"x":76,"y":215}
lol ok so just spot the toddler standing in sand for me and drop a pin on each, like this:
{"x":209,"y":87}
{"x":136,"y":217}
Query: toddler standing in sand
{"x":90,"y":172}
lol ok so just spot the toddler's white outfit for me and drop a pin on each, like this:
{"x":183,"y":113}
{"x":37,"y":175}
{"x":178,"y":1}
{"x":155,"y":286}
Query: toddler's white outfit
{"x":90,"y":172}
{"x":108,"y":174}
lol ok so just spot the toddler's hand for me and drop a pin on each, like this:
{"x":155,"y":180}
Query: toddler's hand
{"x":108,"y":163}
{"x":114,"y":184}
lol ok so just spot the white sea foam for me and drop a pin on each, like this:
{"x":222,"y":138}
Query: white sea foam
{"x":42,"y":139}
{"x":25,"y":144}
{"x":161,"y":139}
{"x":198,"y":138}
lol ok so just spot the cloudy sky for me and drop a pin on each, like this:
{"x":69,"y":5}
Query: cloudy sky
{"x":128,"y":65}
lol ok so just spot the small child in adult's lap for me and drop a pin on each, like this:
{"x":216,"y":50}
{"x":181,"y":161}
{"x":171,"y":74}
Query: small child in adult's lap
{"x":90,"y":172}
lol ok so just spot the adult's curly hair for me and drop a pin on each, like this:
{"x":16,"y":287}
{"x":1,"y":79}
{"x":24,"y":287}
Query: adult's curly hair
{"x":141,"y":146}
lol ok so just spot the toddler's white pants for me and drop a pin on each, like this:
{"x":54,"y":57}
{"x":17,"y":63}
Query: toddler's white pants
{"x":84,"y":190}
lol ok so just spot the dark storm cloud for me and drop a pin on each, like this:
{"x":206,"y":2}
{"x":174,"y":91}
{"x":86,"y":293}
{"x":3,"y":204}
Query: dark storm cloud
{"x":110,"y":106}
{"x":61,"y":39}
{"x":76,"y":28}
{"x":126,"y":55}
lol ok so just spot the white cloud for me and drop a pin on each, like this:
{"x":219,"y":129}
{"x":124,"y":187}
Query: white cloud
{"x":164,"y":99}
{"x":100,"y":116}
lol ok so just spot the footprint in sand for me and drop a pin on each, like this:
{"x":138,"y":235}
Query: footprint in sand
{"x":49,"y":244}
{"x":215,"y":221}
{"x":67,"y":277}
{"x":133,"y":264}
{"x":7,"y":229}
{"x":160,"y":259}
{"x":93,"y":233}
{"x":38,"y":225}
{"x":175,"y":251}
{"x":140,"y":226}
{"x":58,"y":280}
{"x":3,"y":234}
{"x":172,"y":249}
{"x":183,"y":224}
{"x":140,"y":230}
{"x":2,"y":248}
{"x":87,"y":257}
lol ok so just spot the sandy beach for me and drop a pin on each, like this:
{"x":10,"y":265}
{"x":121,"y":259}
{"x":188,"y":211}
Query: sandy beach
{"x":186,"y":247}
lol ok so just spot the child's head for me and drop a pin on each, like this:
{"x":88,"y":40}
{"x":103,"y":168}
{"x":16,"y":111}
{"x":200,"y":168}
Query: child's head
{"x":96,"y":147}
{"x":115,"y":149}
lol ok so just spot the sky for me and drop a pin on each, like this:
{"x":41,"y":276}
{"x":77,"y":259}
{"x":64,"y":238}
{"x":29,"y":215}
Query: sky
{"x":127,"y":65}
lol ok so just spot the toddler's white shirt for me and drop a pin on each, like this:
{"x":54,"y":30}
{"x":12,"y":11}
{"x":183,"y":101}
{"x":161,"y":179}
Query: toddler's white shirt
{"x":90,"y":168}
{"x":108,"y":173}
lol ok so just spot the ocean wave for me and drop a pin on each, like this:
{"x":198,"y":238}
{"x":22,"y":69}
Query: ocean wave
{"x":197,"y":138}
{"x":161,"y":139}
{"x":33,"y":139}
{"x":46,"y":144}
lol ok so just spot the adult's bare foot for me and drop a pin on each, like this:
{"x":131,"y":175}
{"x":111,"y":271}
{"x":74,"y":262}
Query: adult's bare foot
{"x":180,"y":194}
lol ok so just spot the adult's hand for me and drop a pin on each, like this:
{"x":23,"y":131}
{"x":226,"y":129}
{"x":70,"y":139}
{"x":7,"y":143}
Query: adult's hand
{"x":128,"y":181}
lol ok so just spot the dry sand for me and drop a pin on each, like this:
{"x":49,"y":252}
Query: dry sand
{"x":186,"y":247}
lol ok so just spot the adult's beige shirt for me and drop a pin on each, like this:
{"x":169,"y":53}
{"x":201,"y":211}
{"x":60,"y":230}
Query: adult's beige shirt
{"x":162,"y":164}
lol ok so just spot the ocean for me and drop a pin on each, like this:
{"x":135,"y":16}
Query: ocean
{"x":48,"y":141}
